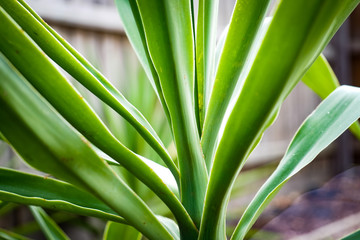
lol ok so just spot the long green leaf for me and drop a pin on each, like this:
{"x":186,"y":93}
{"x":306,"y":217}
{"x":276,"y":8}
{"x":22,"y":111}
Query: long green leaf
{"x":51,"y":230}
{"x":169,"y":35}
{"x":331,"y":118}
{"x":23,"y":53}
{"x":52,"y":194}
{"x":113,"y":231}
{"x":322,"y":80}
{"x":130,"y":17}
{"x":205,"y":53}
{"x":296,"y":36}
{"x":49,"y":144}
{"x":245,"y":23}
{"x":70,"y":60}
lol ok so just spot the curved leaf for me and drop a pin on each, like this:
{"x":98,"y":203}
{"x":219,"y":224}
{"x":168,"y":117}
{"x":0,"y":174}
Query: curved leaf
{"x":322,"y":80}
{"x":48,"y":143}
{"x":51,"y":230}
{"x":296,"y":36}
{"x":331,"y":118}
{"x":52,"y":194}
{"x":77,"y":66}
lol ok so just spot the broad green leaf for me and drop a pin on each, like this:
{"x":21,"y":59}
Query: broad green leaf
{"x":245,"y":23}
{"x":115,"y":230}
{"x":7,"y":235}
{"x":77,"y":66}
{"x":205,"y":53}
{"x":296,"y":36}
{"x":169,"y":35}
{"x":331,"y":118}
{"x":130,"y":17}
{"x":52,"y":194}
{"x":353,"y":236}
{"x":322,"y":80}
{"x":51,"y":230}
{"x":46,"y":142}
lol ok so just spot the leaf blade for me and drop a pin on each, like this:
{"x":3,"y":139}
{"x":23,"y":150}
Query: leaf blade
{"x":51,"y":230}
{"x":39,"y":191}
{"x":322,"y":80}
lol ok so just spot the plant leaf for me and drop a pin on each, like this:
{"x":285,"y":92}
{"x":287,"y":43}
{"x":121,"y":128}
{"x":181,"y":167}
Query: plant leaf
{"x":52,"y":194}
{"x":322,"y":80}
{"x":78,"y":67}
{"x":48,"y":143}
{"x":51,"y":230}
{"x":205,"y":54}
{"x":114,"y":230}
{"x":296,"y":36}
{"x":331,"y":118}
{"x":243,"y":28}
{"x":130,"y":17}
{"x":169,"y":35}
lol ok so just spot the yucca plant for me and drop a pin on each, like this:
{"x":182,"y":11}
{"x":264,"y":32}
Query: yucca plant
{"x":218,"y":96}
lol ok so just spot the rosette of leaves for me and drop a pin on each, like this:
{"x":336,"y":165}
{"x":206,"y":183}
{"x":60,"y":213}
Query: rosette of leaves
{"x":218,"y":97}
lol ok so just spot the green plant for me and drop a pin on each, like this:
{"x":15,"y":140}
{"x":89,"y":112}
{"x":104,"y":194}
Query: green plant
{"x":218,"y":100}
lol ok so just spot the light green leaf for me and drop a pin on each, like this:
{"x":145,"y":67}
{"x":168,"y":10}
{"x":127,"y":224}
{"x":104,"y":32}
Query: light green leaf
{"x":113,"y":231}
{"x":51,"y":230}
{"x":52,"y":194}
{"x":71,"y":61}
{"x":205,"y":53}
{"x":243,"y":28}
{"x":70,"y":104}
{"x":296,"y":36}
{"x":169,"y":35}
{"x":322,"y":80}
{"x":130,"y":17}
{"x":331,"y":118}
{"x":48,"y":143}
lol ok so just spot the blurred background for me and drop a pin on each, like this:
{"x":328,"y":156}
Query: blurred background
{"x":322,"y":202}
